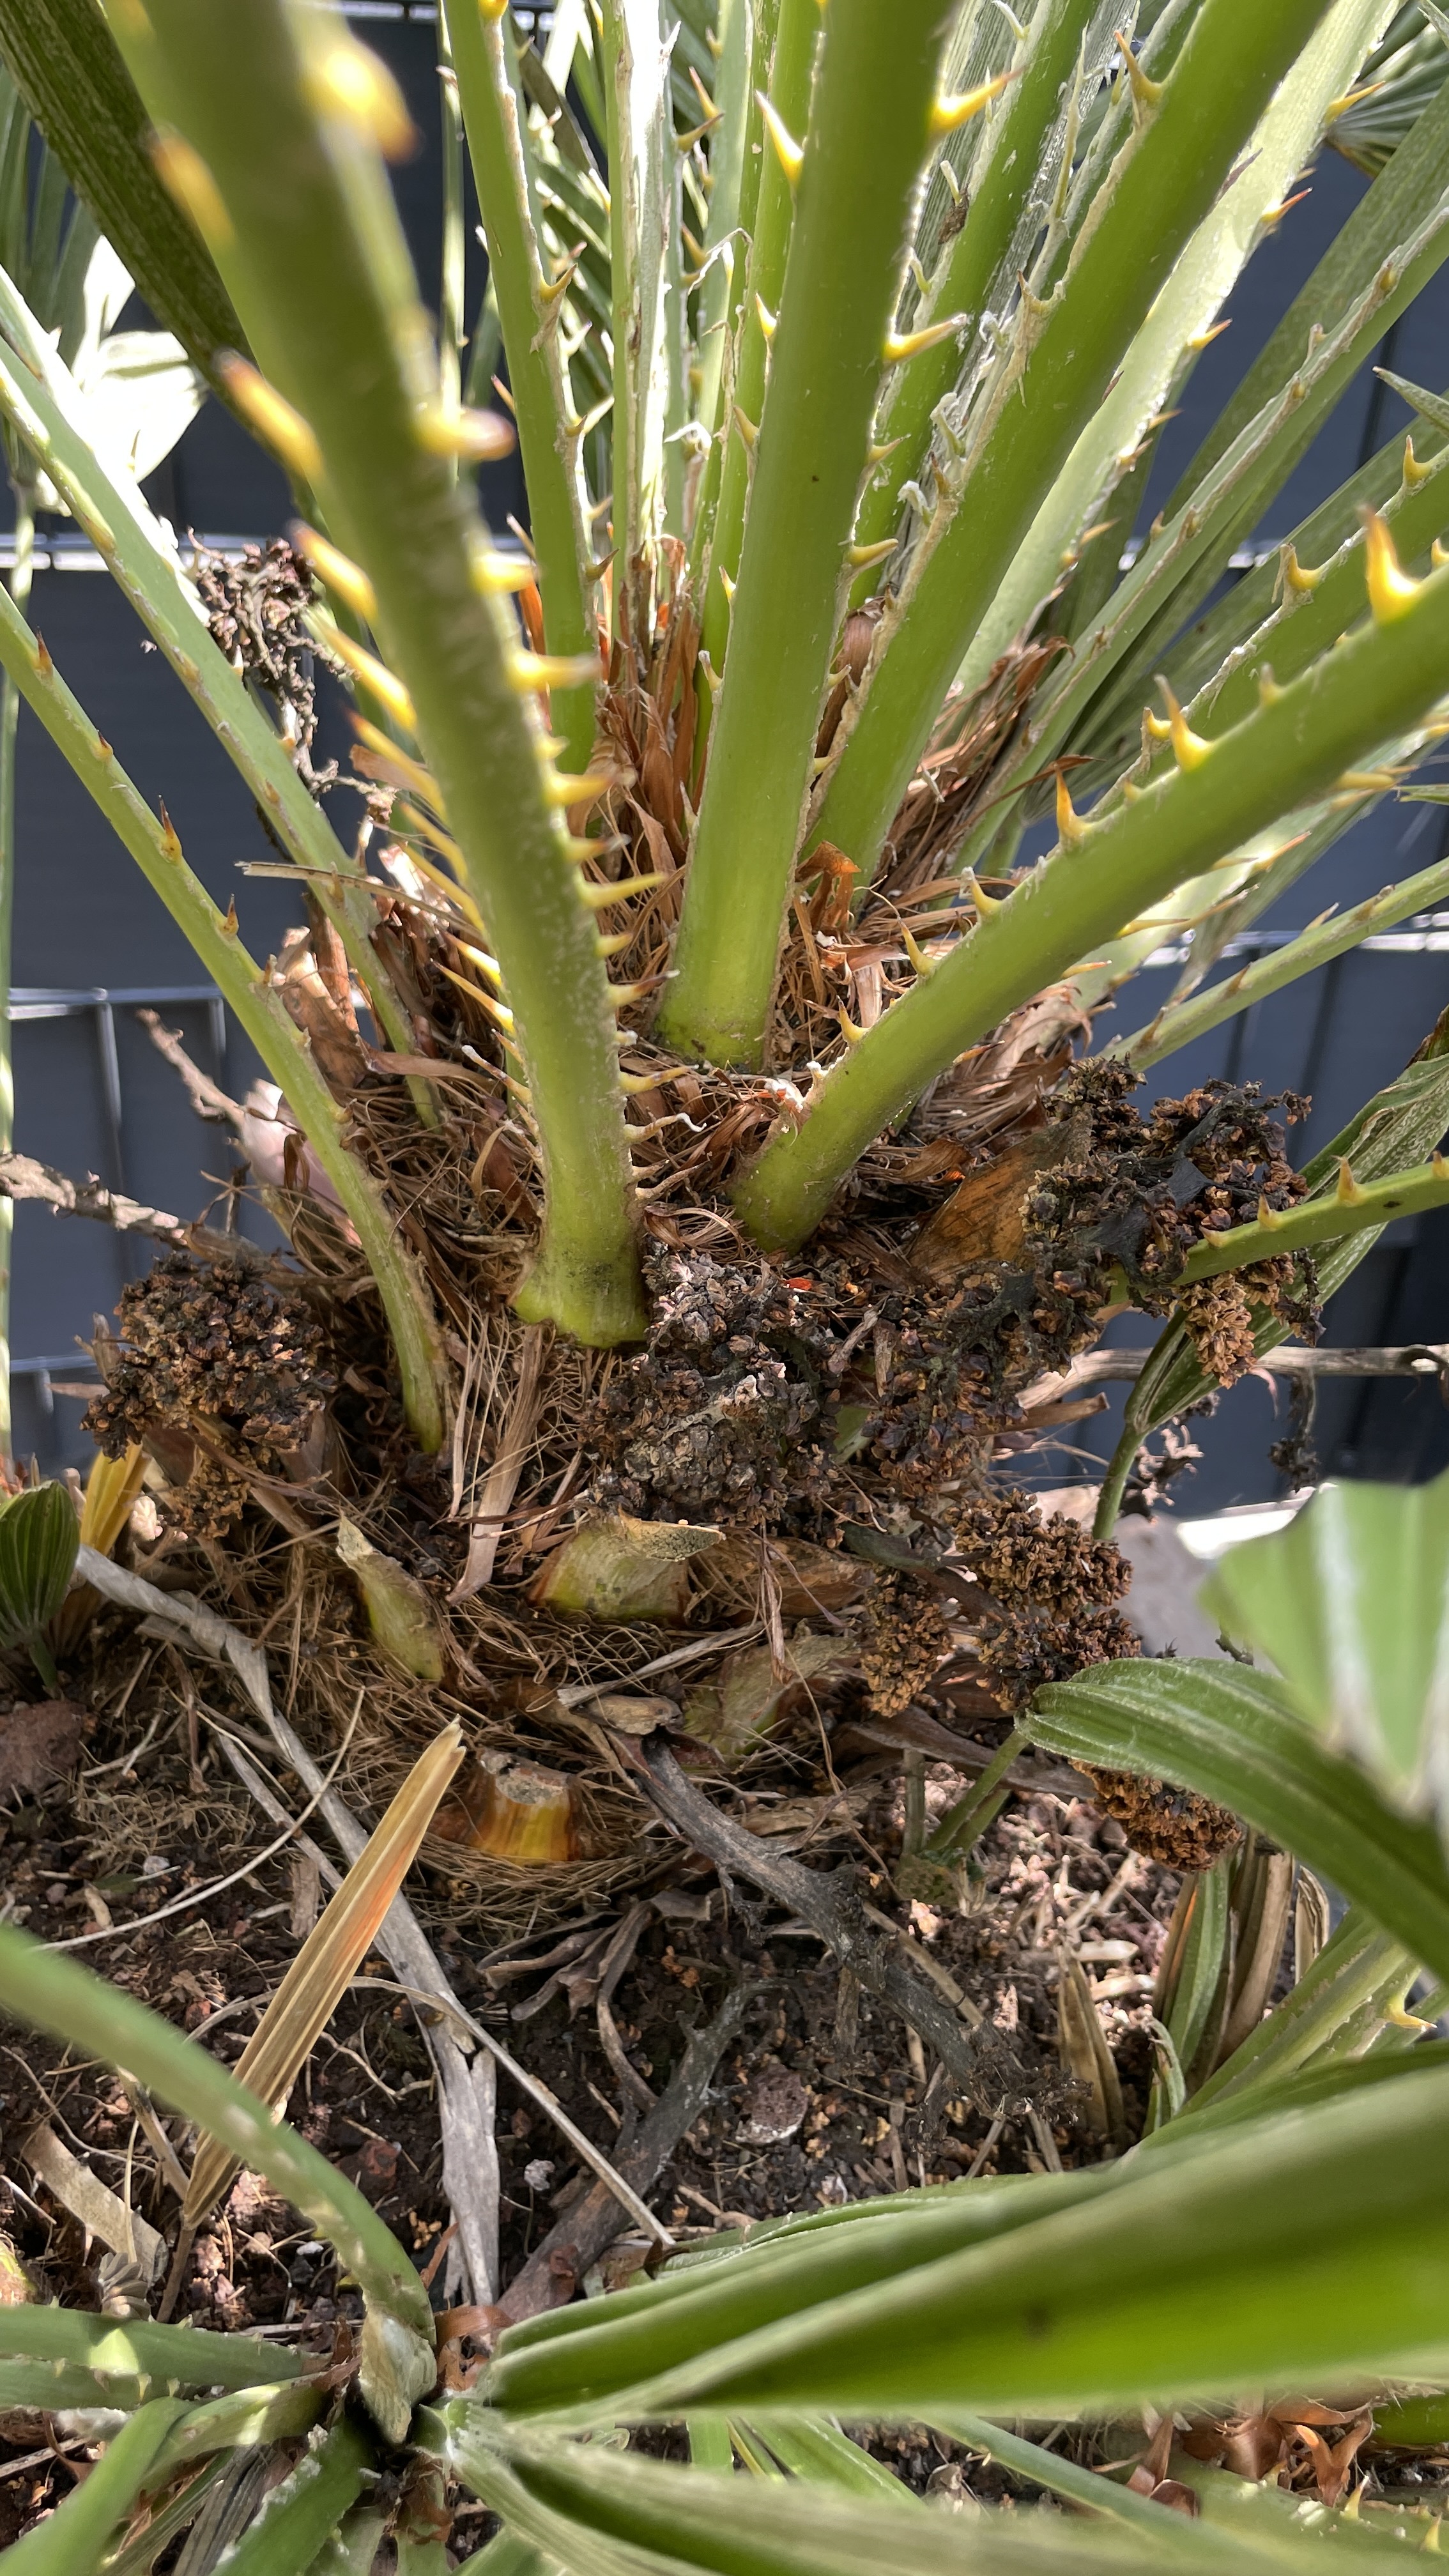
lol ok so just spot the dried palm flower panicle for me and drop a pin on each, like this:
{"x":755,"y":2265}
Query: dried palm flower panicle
{"x":222,"y":1367}
{"x":1050,"y":1595}
{"x":256,"y":608}
{"x":1136,"y":1194}
{"x":905,"y":1637}
{"x":1174,"y":1826}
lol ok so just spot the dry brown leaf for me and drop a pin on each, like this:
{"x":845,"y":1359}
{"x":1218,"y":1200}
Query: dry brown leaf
{"x":308,"y":1994}
{"x":38,"y":1745}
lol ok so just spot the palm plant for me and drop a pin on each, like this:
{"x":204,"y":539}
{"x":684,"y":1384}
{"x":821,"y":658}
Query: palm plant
{"x":682,"y":1045}
{"x":827,"y":694}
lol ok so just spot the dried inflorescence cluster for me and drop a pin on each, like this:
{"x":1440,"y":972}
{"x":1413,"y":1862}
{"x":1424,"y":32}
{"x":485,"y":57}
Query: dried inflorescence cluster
{"x":256,"y":609}
{"x":1051,"y":1593}
{"x":1173,"y":1826}
{"x":1138,"y":1193}
{"x":1221,"y":1314}
{"x":905,"y":1637}
{"x":225,"y":1360}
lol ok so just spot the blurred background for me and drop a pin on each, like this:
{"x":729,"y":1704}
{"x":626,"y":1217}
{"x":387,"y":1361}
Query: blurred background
{"x":93,"y":945}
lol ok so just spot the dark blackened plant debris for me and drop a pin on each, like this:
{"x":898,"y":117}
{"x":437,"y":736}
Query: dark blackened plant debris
{"x":1141,"y":1193}
{"x":775,"y":1400}
{"x":257,"y":611}
{"x":1294,"y":1455}
{"x":726,"y":1408}
{"x":1159,"y":1462}
{"x":778,"y":1399}
{"x":220,"y":1361}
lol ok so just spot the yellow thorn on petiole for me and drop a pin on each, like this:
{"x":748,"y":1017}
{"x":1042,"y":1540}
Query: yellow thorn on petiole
{"x":622,"y":995}
{"x":374,"y":676}
{"x":1368,"y":782}
{"x":848,"y":1030}
{"x":900,"y":345}
{"x":727,"y":586}
{"x":1273,"y":215}
{"x":1145,"y":92}
{"x":185,"y":176}
{"x":273,"y":418}
{"x":395,"y":765}
{"x":480,"y":958}
{"x":1348,"y":1192}
{"x":879,"y":450}
{"x":958,"y":108}
{"x":984,"y":903}
{"x":1267,"y":1217}
{"x":229,"y":922}
{"x":43,"y":663}
{"x":349,"y":81}
{"x":789,"y":153}
{"x":922,"y":964}
{"x":170,"y":841}
{"x":560,"y":789}
{"x":766,"y":319}
{"x":341,"y":575}
{"x":607,"y":943}
{"x":529,"y":671}
{"x":1269,"y":691}
{"x":1188,"y":748}
{"x":1338,"y":107}
{"x":599,"y":897}
{"x":1414,"y":472}
{"x":636,"y":1082}
{"x":1204,"y":339}
{"x":1071,"y":830}
{"x":495,"y":575}
{"x":746,"y":427}
{"x":1132,"y":794}
{"x":862,"y":556}
{"x":1157,"y":726}
{"x":1391,"y":591}
{"x":1296,"y":578}
{"x":478,"y":437}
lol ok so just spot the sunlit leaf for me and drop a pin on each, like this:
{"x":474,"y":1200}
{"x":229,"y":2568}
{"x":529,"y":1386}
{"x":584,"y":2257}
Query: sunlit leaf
{"x":1351,"y":1602}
